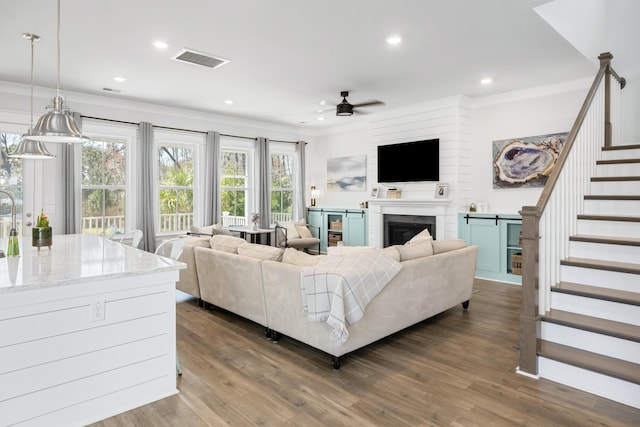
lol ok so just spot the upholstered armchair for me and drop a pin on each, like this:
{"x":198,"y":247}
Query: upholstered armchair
{"x":297,"y":235}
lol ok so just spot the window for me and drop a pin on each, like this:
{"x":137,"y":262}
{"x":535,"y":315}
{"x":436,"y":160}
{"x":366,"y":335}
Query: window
{"x":282,"y":183}
{"x":10,"y":181}
{"x":103,"y":184}
{"x":176,"y":185}
{"x":234,"y":185}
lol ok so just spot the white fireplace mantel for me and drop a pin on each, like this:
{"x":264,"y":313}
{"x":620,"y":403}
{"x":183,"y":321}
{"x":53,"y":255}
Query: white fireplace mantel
{"x":430,"y":207}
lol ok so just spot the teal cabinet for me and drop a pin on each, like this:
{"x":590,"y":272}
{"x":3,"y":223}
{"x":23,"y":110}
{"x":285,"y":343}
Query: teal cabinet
{"x":497,"y":237}
{"x":349,"y":226}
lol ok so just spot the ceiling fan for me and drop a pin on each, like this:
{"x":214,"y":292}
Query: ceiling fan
{"x":346,"y":109}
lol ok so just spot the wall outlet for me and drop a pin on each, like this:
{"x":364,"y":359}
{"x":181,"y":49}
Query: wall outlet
{"x":97,"y":310}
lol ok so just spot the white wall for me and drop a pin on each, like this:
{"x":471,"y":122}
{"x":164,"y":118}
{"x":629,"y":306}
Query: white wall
{"x":505,"y":118}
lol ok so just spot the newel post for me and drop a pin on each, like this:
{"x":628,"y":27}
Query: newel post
{"x":605,"y":61}
{"x":529,"y":323}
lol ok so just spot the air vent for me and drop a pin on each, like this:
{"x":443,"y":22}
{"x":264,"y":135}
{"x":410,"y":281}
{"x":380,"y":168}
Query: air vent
{"x":108,"y":89}
{"x":190,"y":56}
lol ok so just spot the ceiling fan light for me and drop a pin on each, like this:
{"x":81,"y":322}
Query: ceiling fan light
{"x":57,"y":125}
{"x":31,"y":149}
{"x":344,"y":109}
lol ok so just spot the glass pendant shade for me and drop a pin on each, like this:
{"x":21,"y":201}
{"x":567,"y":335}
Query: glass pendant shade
{"x":57,"y":125}
{"x":30,"y":149}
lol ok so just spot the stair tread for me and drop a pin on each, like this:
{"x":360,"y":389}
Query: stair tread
{"x":617,"y":161}
{"x":611,"y":240}
{"x":610,"y":218}
{"x":621,"y":147}
{"x":598,"y":325}
{"x":614,"y":178}
{"x":610,"y":197}
{"x":607,"y":294}
{"x":625,"y":267}
{"x":621,"y":369}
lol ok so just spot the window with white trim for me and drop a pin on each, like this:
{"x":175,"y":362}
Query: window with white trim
{"x":104,"y":184}
{"x":282,"y":184}
{"x":176,"y":177}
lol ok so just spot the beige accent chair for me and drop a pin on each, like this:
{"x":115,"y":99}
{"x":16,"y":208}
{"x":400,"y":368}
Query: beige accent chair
{"x":297,"y":235}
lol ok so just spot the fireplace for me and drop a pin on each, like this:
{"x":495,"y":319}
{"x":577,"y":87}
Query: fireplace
{"x":399,"y":229}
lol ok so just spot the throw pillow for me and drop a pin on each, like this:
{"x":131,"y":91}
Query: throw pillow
{"x":292,"y":231}
{"x":440,"y":246}
{"x":304,"y":231}
{"x":196,"y":241}
{"x":393,"y":252}
{"x":415,"y":250}
{"x":299,"y":258}
{"x":423,"y":235}
{"x":254,"y":250}
{"x":226,"y":243}
{"x":203,"y":230}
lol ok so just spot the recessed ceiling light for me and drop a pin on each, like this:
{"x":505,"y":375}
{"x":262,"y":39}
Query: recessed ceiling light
{"x":319,"y":111}
{"x":394,"y":39}
{"x":160,"y":44}
{"x":320,"y":118}
{"x":228,"y":101}
{"x":486,"y":81}
{"x":323,"y":102}
{"x":119,"y":79}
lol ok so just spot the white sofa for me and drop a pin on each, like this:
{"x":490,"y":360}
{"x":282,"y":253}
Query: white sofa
{"x":263,"y":285}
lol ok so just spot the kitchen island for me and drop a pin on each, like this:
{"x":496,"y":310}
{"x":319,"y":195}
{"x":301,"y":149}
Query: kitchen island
{"x":87,"y":331}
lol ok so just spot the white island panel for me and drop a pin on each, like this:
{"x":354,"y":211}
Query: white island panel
{"x":87,"y":331}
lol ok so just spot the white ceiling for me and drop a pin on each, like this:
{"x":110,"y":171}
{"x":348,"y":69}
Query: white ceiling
{"x":288,"y":55}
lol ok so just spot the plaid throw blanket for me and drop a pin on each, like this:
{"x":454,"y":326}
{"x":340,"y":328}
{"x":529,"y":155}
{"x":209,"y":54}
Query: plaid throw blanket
{"x":338,"y":288}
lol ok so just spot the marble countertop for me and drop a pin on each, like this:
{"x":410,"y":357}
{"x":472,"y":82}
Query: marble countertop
{"x":75,"y":258}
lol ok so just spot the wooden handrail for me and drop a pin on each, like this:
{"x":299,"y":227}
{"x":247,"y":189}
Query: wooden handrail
{"x":605,"y":67}
{"x":529,"y":324}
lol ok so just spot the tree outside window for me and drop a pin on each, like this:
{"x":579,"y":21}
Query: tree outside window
{"x":234,"y":187}
{"x":11,"y":181}
{"x":176,"y":176}
{"x":103,"y":184}
{"x":281,"y":186}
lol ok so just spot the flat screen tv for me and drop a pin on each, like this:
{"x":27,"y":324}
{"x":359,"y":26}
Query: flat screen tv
{"x":409,"y":161}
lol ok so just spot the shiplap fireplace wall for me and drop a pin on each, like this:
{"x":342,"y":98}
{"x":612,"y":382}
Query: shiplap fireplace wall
{"x":448,"y":120}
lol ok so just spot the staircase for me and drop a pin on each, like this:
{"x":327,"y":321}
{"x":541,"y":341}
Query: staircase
{"x":590,"y":336}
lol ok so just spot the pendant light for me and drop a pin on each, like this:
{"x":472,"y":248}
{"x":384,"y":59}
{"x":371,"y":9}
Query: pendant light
{"x":58,"y":125}
{"x":29,"y":148}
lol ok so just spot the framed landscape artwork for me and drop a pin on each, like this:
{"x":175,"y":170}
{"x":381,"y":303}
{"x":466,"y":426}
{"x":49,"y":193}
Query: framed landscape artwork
{"x":526,"y":162}
{"x":347,"y":173}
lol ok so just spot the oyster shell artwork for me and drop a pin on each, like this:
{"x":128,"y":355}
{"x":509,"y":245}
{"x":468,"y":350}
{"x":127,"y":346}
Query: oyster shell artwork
{"x":526,"y":161}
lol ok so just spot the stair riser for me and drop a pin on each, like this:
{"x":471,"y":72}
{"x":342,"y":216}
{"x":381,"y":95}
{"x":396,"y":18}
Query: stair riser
{"x":591,"y":382}
{"x":620,"y":154}
{"x":616,"y":188}
{"x":591,"y":341}
{"x":605,"y":252}
{"x":596,"y":308}
{"x":618,"y":169}
{"x":609,"y":228}
{"x":611,"y":207}
{"x":602,"y":278}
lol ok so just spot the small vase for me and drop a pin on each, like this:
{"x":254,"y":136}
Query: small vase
{"x":255,"y":226}
{"x":41,"y":236}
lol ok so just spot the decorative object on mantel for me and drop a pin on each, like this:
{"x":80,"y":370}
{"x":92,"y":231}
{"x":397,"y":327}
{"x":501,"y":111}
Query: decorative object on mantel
{"x":394,"y":193}
{"x":472,"y":207}
{"x":525,"y":162}
{"x":375,"y":191}
{"x":442,"y":190}
{"x":347,"y":173}
{"x":255,"y":217}
{"x":42,"y":234}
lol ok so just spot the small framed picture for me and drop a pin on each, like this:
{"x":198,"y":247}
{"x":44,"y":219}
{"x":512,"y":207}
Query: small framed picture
{"x":374,"y":192}
{"x":442,"y":190}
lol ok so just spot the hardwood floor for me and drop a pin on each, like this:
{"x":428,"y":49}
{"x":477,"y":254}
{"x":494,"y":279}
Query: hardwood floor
{"x":456,"y":369}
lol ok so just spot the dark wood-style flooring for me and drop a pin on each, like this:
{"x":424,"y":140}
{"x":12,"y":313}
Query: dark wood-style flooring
{"x":456,"y":369}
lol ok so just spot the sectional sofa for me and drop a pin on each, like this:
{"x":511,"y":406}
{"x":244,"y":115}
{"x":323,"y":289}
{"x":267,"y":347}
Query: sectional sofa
{"x":263,"y":284}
